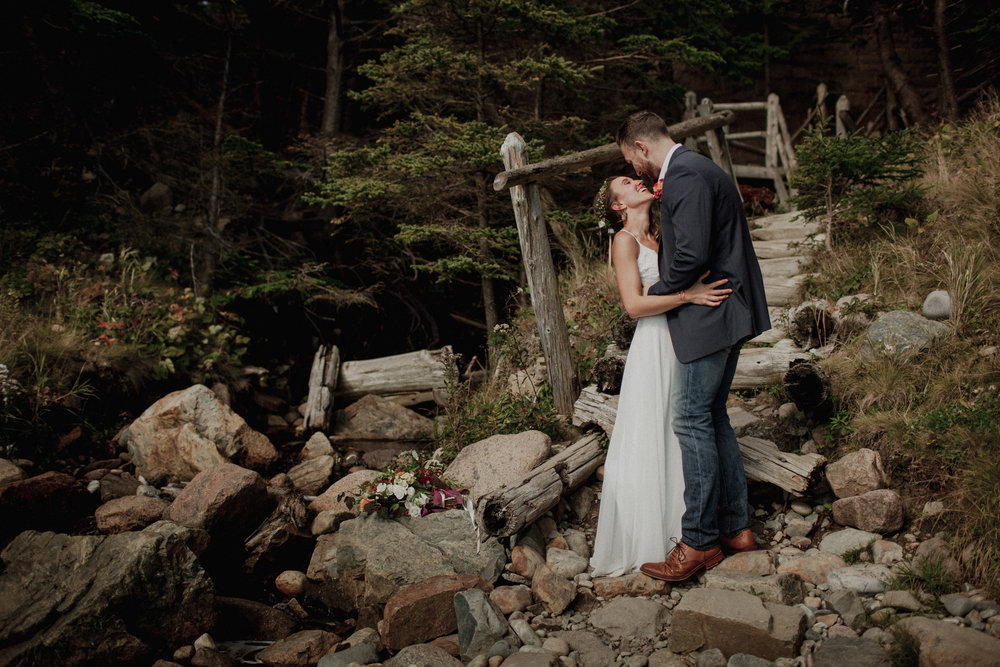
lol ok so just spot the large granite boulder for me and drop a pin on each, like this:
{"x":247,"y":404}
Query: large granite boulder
{"x":189,"y":431}
{"x":731,"y":621}
{"x":369,"y":558}
{"x":376,"y":418}
{"x":899,"y":333}
{"x":489,"y":464}
{"x":225,"y":500}
{"x":86,"y":600}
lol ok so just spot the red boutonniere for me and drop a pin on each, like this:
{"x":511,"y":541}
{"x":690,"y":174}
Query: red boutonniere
{"x":658,"y":189}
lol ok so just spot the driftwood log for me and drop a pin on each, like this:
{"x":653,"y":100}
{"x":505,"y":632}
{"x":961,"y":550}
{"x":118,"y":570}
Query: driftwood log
{"x":408,"y":373}
{"x":608,"y":372}
{"x":762,"y":459}
{"x":761,"y":366}
{"x":764,"y":462}
{"x":593,"y":407}
{"x":808,"y":387}
{"x":811,"y":324}
{"x":322,"y":381}
{"x":288,"y":521}
{"x":509,"y":509}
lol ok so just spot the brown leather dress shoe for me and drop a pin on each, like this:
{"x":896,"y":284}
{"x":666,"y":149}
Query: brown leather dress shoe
{"x":682,"y":563}
{"x":738,"y":543}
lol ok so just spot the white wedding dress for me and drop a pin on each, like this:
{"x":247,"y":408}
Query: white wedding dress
{"x":642,"y":498}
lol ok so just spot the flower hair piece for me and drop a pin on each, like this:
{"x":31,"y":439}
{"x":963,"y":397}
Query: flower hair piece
{"x":601,"y":208}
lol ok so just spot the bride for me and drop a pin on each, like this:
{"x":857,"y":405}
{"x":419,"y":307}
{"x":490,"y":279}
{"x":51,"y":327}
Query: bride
{"x":642,"y":498}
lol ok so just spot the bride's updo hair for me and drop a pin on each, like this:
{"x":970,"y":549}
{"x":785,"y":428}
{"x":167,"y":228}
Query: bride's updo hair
{"x":608,"y":217}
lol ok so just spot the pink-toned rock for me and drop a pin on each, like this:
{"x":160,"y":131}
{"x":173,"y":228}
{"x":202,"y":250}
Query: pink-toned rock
{"x":886,"y":552}
{"x":635,"y":584}
{"x":50,"y":501}
{"x":554,"y":592}
{"x":351,"y":484}
{"x":942,"y":644}
{"x":511,"y":598}
{"x":226,"y":498}
{"x":879,"y":511}
{"x":812,"y":568}
{"x":425,"y":610}
{"x":752,"y":562}
{"x":129,"y":513}
{"x":524,"y":560}
{"x":449,"y":645}
{"x":189,"y":431}
{"x":312,"y":475}
{"x":489,"y":464}
{"x":558,"y":542}
{"x":858,"y":472}
{"x":300,"y":649}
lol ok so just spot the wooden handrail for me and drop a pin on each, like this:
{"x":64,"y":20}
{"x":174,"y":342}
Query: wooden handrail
{"x":605,"y":153}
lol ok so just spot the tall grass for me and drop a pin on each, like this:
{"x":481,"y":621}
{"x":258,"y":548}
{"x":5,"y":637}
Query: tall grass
{"x":935,"y":418}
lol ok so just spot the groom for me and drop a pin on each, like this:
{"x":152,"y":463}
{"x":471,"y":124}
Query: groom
{"x":702,"y":226}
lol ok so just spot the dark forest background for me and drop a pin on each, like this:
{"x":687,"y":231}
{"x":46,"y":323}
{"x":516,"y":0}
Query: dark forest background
{"x":191,"y":188}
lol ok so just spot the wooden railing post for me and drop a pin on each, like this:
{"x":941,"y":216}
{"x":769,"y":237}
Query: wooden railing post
{"x":719,"y":149}
{"x":542,"y":280}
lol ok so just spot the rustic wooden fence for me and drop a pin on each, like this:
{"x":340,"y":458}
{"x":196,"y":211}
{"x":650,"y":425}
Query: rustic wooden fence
{"x":777,"y":151}
{"x":520,"y":176}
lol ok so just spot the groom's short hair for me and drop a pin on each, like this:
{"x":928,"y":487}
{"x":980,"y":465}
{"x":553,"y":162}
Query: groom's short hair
{"x":641,"y":125}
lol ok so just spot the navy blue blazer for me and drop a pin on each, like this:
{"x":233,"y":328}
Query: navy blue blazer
{"x":703,"y":227}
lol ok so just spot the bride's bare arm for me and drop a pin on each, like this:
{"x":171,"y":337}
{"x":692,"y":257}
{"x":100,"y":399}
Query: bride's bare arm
{"x":625,"y":253}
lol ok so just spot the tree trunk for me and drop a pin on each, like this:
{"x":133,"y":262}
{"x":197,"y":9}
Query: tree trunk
{"x":488,"y":287}
{"x":892,"y":69}
{"x":334,"y":70}
{"x":216,"y":223}
{"x":946,"y":81}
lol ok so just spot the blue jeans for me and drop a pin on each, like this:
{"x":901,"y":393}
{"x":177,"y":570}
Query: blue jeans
{"x":715,"y":486}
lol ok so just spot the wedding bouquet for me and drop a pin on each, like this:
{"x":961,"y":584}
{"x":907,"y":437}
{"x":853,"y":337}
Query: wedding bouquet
{"x":413,"y":487}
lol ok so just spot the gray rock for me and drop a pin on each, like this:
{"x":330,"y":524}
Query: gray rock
{"x":865,"y":578}
{"x":422,"y":655}
{"x":368,"y":559}
{"x":73,"y":600}
{"x":849,"y":539}
{"x":531,"y":659}
{"x":801,"y":508}
{"x":565,"y":563}
{"x":944,"y":644}
{"x":852,"y":651}
{"x":899,"y":333}
{"x":362,"y":654}
{"x":525,"y":632}
{"x":710,"y":658}
{"x":902,"y":600}
{"x":812,"y":567}
{"x":489,"y":464}
{"x":937,"y":305}
{"x":480,"y":623}
{"x":591,"y":651}
{"x":577,"y":541}
{"x":957,"y":604}
{"x":848,"y":605}
{"x":798,"y":527}
{"x":10,"y":472}
{"x":747,"y":660}
{"x":630,"y":617}
{"x":731,"y":621}
{"x":782,"y":588}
